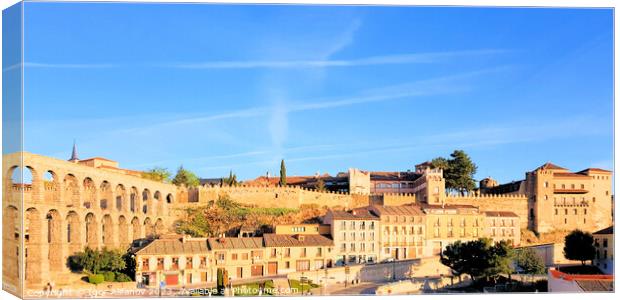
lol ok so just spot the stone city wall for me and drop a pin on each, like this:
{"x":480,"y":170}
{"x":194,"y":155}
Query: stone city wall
{"x":285,"y":197}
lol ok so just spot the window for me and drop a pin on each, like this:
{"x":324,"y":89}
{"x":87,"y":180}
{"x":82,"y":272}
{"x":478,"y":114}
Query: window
{"x":585,"y":211}
{"x":343,"y":247}
{"x":565,"y":221}
{"x":244,"y":256}
{"x":175,"y":263}
{"x":352,"y":246}
{"x":343,"y":224}
{"x":274,"y":252}
{"x":221,"y":256}
{"x":556,"y":211}
{"x":605,"y":243}
{"x":546,"y":184}
{"x":344,"y":236}
{"x":372,"y":225}
{"x":189,"y":263}
{"x":372,"y":236}
{"x":566,"y":211}
{"x":304,"y":251}
{"x":287,"y":265}
{"x":319,"y":251}
{"x":583,"y":186}
{"x":234,"y":256}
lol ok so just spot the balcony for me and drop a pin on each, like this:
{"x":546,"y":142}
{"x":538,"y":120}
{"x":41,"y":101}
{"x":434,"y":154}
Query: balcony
{"x":570,"y":191}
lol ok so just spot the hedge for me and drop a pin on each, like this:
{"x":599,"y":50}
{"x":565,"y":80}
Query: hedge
{"x":96,"y":278}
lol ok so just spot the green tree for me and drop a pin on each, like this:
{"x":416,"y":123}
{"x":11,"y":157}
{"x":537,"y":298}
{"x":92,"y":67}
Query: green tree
{"x":478,"y":258}
{"x":157,"y":174}
{"x":579,"y":245}
{"x":282,"y":173}
{"x":185,"y":177}
{"x":458,"y":171}
{"x":130,"y":265}
{"x":95,"y":261}
{"x":112,"y":260}
{"x":501,"y":257}
{"x":231,"y":180}
{"x":529,"y":262}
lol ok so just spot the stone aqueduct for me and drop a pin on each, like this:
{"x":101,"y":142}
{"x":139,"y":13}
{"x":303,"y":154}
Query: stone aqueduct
{"x":68,"y":206}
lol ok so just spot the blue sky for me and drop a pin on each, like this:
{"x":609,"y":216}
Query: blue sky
{"x":224,"y":87}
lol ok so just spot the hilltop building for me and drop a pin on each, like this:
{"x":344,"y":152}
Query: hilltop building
{"x":559,"y":199}
{"x":69,"y":205}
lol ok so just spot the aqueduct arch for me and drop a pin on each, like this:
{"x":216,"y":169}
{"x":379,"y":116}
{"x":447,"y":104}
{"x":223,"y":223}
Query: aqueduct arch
{"x":63,"y":213}
{"x":54,"y":240}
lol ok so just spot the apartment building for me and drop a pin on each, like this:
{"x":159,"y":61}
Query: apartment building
{"x":402,"y":231}
{"x":297,"y":253}
{"x":446,"y":224}
{"x":502,"y":226}
{"x":241,"y":257}
{"x":323,"y":229}
{"x":175,"y":261}
{"x":604,"y":244}
{"x":355,"y":235}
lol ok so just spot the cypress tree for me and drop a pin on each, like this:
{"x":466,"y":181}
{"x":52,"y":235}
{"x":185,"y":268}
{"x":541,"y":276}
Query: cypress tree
{"x":282,"y":174}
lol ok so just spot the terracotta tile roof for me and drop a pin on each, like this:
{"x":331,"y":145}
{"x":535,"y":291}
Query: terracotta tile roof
{"x":550,"y":166}
{"x":594,"y":170}
{"x":408,"y":210}
{"x":235,"y":243}
{"x":305,"y":240}
{"x":608,"y":230}
{"x":501,"y":214}
{"x":357,"y":214}
{"x":570,"y":277}
{"x":393,"y":176}
{"x":571,"y":175}
{"x":596,"y":285}
{"x":175,"y":246}
{"x":99,"y":158}
{"x":447,"y":206}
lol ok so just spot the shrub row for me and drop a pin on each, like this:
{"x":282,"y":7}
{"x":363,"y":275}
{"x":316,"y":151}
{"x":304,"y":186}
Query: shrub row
{"x":108,"y":276}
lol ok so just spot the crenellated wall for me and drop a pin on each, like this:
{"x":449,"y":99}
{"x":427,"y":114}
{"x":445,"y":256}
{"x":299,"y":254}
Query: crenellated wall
{"x":394,"y":199}
{"x":513,"y":203}
{"x":286,"y":197}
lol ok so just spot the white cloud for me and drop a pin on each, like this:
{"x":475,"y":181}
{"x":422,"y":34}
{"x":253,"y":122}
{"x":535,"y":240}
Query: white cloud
{"x":407,"y":58}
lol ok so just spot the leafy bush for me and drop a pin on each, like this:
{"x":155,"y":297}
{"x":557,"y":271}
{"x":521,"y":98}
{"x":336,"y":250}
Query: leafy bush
{"x":96,"y":278}
{"x":109,"y":276}
{"x":122,"y":277}
{"x":94,"y":261}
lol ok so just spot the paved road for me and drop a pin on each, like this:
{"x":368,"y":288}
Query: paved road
{"x":360,"y":289}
